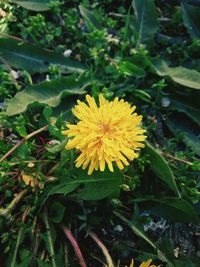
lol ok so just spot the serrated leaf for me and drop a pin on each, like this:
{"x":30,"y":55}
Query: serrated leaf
{"x":94,"y":187}
{"x":191,"y":20}
{"x":35,"y":5}
{"x":161,"y":168}
{"x":33,"y":58}
{"x":186,"y":77}
{"x":146,"y":21}
{"x":47,"y":92}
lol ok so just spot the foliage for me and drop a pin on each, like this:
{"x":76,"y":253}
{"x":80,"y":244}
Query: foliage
{"x":52,"y":53}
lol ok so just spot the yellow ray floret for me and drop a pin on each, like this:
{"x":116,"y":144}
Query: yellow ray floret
{"x":105,"y":134}
{"x":143,"y":264}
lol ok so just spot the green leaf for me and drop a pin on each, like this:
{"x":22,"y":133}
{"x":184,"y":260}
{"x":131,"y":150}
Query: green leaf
{"x":47,"y":92}
{"x":191,"y":20}
{"x":35,"y":5}
{"x":25,"y":258}
{"x":56,"y":212}
{"x":136,"y":229}
{"x":47,"y":112}
{"x":161,"y":168}
{"x":90,"y":19}
{"x":21,"y":130}
{"x":56,"y":148}
{"x":166,"y":251}
{"x":181,"y":127}
{"x":64,"y":186}
{"x":181,"y":75}
{"x":41,"y":263}
{"x":175,"y":209}
{"x":186,"y":105}
{"x":187,"y":262}
{"x":101,"y":184}
{"x":145,"y":20}
{"x":127,"y":68}
{"x":33,"y":58}
{"x":94,"y":187}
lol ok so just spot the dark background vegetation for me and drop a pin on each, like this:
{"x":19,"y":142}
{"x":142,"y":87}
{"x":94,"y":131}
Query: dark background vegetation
{"x":52,"y":53}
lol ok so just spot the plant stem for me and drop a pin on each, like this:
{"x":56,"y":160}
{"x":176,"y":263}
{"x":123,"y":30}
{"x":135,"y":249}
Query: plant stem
{"x":75,"y":246}
{"x":23,"y":141}
{"x":11,"y":36}
{"x":104,"y":249}
{"x":19,"y":236}
{"x":13,"y":263}
{"x":30,"y":161}
{"x":177,"y":159}
{"x":7,"y":211}
{"x":52,"y":254}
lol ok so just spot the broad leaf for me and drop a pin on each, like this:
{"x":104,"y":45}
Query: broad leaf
{"x":187,"y":105}
{"x":175,"y":209}
{"x":181,"y":75}
{"x":47,"y":92}
{"x":101,"y":185}
{"x":35,"y":5}
{"x":56,"y":212}
{"x":166,"y":251}
{"x":90,"y":19}
{"x":145,"y":20}
{"x":161,"y":168}
{"x":191,"y":19}
{"x":33,"y":58}
{"x":181,"y":127}
{"x":94,"y":187}
{"x":136,"y":229}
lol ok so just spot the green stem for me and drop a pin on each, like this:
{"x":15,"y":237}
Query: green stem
{"x":23,"y":141}
{"x":19,"y":236}
{"x":50,"y":240}
{"x":127,"y":22}
{"x":7,"y":211}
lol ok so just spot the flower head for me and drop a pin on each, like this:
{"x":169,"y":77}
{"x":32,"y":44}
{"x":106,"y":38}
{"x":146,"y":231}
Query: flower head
{"x":105,"y":134}
{"x":144,"y":264}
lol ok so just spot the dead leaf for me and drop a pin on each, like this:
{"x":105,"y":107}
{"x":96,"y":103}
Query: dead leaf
{"x":2,"y":13}
{"x":30,"y":180}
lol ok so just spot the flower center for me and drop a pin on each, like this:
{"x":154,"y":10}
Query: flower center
{"x":105,"y":128}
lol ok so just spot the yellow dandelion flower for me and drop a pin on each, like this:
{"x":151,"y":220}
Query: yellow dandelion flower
{"x":148,"y":264}
{"x":105,"y":134}
{"x":144,"y":264}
